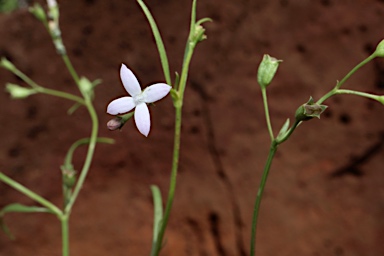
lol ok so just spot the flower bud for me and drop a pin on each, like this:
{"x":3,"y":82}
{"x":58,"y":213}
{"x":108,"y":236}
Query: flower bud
{"x":267,"y":70}
{"x":380,"y":99}
{"x":18,"y":92}
{"x":199,"y":34}
{"x":380,"y":49}
{"x":115,"y":123}
{"x":309,"y":110}
{"x":69,"y":177}
{"x":86,"y":87}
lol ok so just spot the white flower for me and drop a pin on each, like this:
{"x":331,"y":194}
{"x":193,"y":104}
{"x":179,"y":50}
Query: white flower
{"x":51,"y":3}
{"x":139,"y":99}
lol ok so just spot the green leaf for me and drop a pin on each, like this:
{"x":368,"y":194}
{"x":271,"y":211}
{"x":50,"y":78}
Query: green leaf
{"x":96,"y":82}
{"x":203,"y":20}
{"x":283,"y":130}
{"x":158,"y":40}
{"x":158,"y":211}
{"x":72,"y":109}
{"x":18,"y":208}
{"x":68,"y":158}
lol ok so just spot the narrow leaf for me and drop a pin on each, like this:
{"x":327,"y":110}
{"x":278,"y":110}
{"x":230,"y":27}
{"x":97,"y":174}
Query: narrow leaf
{"x":158,"y":211}
{"x":159,"y":42}
{"x":283,"y":129}
{"x":18,"y":208}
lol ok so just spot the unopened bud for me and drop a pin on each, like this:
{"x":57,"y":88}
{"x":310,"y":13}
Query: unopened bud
{"x":380,"y":49}
{"x":119,"y":121}
{"x":380,"y":99}
{"x":267,"y":70}
{"x":18,"y":92}
{"x":69,"y":177}
{"x":115,"y":123}
{"x":199,"y":34}
{"x":309,"y":110}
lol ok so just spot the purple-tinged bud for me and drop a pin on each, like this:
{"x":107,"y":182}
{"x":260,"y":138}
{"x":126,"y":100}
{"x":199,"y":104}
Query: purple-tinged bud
{"x":309,"y":110}
{"x":115,"y":123}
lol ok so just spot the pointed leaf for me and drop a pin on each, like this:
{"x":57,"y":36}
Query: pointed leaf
{"x":283,"y":129}
{"x":18,"y":208}
{"x":72,"y":109}
{"x":158,"y":211}
{"x":23,"y":208}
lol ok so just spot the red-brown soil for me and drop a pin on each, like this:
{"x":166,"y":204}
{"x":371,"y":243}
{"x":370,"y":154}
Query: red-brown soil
{"x":325,"y":193}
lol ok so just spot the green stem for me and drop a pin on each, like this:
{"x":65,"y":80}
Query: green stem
{"x":259,"y":196}
{"x":65,"y":234}
{"x":345,"y":78}
{"x":80,"y":142}
{"x":44,"y":90}
{"x":61,"y":94}
{"x":362,"y":94}
{"x":172,"y":187}
{"x":357,"y":67}
{"x":266,"y":109}
{"x":346,"y":91}
{"x":176,"y":147}
{"x":70,"y":68}
{"x":327,"y":96}
{"x":88,"y":159}
{"x":29,"y":193}
{"x":25,"y":78}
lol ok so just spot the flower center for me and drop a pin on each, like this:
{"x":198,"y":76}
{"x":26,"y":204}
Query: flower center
{"x":138,"y":99}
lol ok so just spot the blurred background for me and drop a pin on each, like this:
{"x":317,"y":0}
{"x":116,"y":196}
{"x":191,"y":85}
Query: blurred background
{"x":325,"y":193}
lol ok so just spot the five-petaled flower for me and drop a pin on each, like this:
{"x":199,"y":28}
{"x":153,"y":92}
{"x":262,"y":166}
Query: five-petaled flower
{"x":139,"y":99}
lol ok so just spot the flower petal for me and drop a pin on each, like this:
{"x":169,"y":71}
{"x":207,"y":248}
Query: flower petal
{"x":142,"y":119}
{"x":120,"y":106}
{"x":131,"y":85}
{"x":156,"y":92}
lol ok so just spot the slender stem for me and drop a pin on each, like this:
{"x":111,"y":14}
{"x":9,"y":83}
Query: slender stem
{"x":44,"y":90}
{"x":176,"y":148}
{"x":266,"y":109}
{"x":70,"y":68}
{"x":83,"y":141}
{"x":25,"y":78}
{"x":259,"y":196}
{"x":345,"y":78}
{"x":327,"y":96}
{"x":29,"y":193}
{"x":88,"y":159}
{"x":357,"y":67}
{"x":65,"y":234}
{"x":61,"y":94}
{"x":172,"y":186}
{"x":362,"y":94}
{"x":184,"y":72}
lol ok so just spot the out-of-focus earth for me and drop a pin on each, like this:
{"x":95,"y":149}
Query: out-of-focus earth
{"x":325,"y":192}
